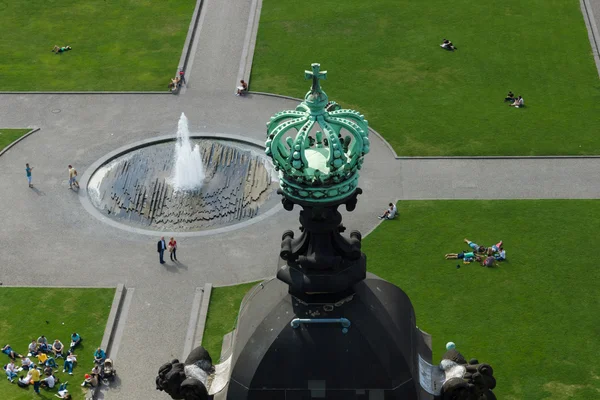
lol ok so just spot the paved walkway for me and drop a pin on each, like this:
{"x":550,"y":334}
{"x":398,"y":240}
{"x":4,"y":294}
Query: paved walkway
{"x":48,"y":237}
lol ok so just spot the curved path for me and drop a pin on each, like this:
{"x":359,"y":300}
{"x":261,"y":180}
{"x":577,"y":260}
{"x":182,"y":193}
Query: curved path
{"x":49,"y":239}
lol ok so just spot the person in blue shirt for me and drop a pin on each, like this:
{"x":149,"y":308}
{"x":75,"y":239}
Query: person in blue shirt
{"x":28,"y":170}
{"x":75,"y":340}
{"x":99,"y":356}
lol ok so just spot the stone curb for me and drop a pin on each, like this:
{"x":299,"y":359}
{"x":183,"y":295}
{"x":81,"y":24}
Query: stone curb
{"x":203,"y":314}
{"x":111,"y":324}
{"x":188,"y":343}
{"x":18,"y":140}
{"x":397,"y":157}
{"x":89,"y":207}
{"x":100,"y":92}
{"x":249,"y":42}
{"x":187,"y":45}
{"x":592,"y":28}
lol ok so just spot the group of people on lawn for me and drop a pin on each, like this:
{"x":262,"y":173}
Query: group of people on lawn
{"x":47,"y":354}
{"x":487,"y":256}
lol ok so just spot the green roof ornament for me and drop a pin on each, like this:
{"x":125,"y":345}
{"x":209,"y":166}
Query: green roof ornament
{"x":317,"y":148}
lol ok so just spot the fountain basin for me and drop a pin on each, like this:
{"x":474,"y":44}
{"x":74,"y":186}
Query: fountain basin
{"x":132,"y":188}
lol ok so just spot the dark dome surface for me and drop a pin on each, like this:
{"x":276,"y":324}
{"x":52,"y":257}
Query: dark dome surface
{"x":375,"y":359}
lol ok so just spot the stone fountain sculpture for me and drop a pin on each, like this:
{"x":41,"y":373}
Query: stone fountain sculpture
{"x":324,"y":328}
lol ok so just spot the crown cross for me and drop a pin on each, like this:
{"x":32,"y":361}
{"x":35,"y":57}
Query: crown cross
{"x":316,"y":74}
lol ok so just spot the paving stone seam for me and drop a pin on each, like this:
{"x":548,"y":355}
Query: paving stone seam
{"x":592,"y":28}
{"x":18,"y":140}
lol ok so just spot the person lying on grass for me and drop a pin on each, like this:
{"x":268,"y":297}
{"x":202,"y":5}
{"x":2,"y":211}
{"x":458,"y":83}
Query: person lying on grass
{"x":461,"y":256}
{"x":59,"y":50}
{"x":476,"y":248}
{"x":10,"y":352}
{"x":446,"y":44}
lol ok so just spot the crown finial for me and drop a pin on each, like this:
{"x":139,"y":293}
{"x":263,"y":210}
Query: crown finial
{"x":317,"y":148}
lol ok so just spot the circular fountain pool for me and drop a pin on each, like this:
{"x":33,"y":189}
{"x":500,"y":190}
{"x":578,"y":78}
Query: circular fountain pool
{"x":142,"y":188}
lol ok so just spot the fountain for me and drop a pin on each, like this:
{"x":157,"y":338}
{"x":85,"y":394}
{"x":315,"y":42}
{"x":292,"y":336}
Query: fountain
{"x":189,"y":171}
{"x":187,"y":183}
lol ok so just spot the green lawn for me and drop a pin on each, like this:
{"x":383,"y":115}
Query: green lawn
{"x":7,"y":136}
{"x":117,"y":45}
{"x":28,"y":313}
{"x":222,"y":316}
{"x":384,"y":60}
{"x":539,"y":311}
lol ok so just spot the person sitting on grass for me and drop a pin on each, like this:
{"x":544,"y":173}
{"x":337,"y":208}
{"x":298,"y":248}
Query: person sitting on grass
{"x":26,"y":363}
{"x":69,"y":363}
{"x":11,"y":371}
{"x":57,"y":348}
{"x":468,"y":257}
{"x":48,"y":381}
{"x":24,"y":381}
{"x":48,"y":371}
{"x":43,"y":344}
{"x":99,"y":356}
{"x":518,"y":103}
{"x":242,"y":89}
{"x":75,"y":340}
{"x":10,"y":352}
{"x":501,"y":255}
{"x":51,"y":363}
{"x":59,"y":50}
{"x":476,"y":248}
{"x":489,"y":262}
{"x":510,"y":97}
{"x":446,"y":44}
{"x":390,"y":213}
{"x":91,"y":380}
{"x":174,"y":83}
{"x":32,"y":349}
{"x":63,"y":393}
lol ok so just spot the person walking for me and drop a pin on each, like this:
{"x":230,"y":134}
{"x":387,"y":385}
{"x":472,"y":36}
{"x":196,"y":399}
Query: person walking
{"x":28,"y":170}
{"x":181,"y":78}
{"x":173,"y":249}
{"x":161,"y":246}
{"x":73,"y":177}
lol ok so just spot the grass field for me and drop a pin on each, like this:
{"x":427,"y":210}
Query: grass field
{"x":7,"y":136}
{"x":534,"y":318}
{"x":117,"y":45}
{"x":28,"y":313}
{"x":384,"y":60}
{"x":222,"y":316}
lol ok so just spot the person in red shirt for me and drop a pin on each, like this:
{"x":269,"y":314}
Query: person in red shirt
{"x":173,"y":249}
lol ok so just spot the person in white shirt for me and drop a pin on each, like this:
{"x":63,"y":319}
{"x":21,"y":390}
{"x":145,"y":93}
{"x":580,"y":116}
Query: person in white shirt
{"x":390,"y":213}
{"x":518,"y":102}
{"x":25,"y":364}
{"x":48,"y":382}
{"x":11,"y":371}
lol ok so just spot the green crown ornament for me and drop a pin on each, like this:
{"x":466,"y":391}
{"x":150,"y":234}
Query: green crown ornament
{"x":317,"y":148}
